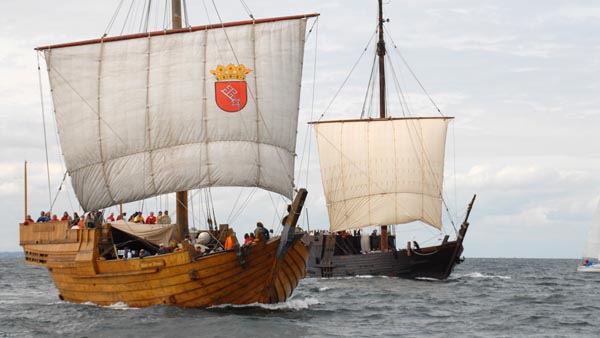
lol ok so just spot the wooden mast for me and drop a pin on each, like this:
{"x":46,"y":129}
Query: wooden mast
{"x":181,"y":196}
{"x":25,"y":168}
{"x":382,"y":114}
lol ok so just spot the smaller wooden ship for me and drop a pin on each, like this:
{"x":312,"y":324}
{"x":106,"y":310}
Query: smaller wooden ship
{"x":382,"y":171}
{"x":170,"y":111}
{"x":333,"y":255}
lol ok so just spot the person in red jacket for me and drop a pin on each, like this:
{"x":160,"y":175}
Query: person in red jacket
{"x":151,"y":219}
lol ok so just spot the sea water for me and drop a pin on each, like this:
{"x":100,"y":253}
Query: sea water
{"x":482,"y":298}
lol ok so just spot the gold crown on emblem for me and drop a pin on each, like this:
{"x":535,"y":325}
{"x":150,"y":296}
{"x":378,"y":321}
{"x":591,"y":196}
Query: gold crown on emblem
{"x":230,"y":72}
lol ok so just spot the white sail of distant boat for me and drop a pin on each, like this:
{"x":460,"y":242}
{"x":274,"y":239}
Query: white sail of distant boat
{"x":591,"y":253}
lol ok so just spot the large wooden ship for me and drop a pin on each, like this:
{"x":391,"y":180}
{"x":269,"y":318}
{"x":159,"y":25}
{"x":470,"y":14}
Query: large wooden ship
{"x":165,"y":112}
{"x":267,"y":271}
{"x":382,"y":171}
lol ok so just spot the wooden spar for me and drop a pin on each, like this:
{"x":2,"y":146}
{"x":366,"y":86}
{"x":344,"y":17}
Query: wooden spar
{"x":386,"y":119}
{"x":181,"y":196}
{"x":460,"y":237}
{"x":175,"y":31}
{"x":25,"y":218}
{"x":381,"y":57}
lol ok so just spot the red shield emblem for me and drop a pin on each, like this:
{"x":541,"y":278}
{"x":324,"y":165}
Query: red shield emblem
{"x":231,"y":95}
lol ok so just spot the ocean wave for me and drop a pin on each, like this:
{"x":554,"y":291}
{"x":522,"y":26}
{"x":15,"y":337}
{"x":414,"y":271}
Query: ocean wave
{"x":481,"y":275}
{"x":292,"y":304}
{"x":115,"y":306}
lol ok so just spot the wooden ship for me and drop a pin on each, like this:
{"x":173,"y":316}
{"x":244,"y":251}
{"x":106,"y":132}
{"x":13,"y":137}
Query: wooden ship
{"x":166,"y":112}
{"x":377,"y":172}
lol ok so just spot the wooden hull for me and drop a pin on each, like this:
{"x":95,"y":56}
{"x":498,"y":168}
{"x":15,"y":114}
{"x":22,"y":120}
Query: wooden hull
{"x":430,"y":262}
{"x":253,"y":275}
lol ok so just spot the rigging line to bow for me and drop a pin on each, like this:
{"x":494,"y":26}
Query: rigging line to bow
{"x":370,"y":89}
{"x":414,"y":75}
{"x":307,"y":135}
{"x":44,"y":124}
{"x":348,"y":76}
{"x":146,"y":19}
{"x":406,"y":111}
{"x":112,"y":20}
{"x":59,"y":189}
{"x":127,"y":18}
{"x":185,"y":14}
{"x":244,"y":205}
{"x":247,"y":9}
{"x":58,"y":149}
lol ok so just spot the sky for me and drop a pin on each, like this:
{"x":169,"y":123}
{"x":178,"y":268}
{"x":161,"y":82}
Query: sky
{"x":520,"y":78}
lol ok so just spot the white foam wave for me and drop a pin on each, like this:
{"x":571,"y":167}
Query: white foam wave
{"x":480,"y":275}
{"x":292,"y":304}
{"x":115,"y":306}
{"x":120,"y":306}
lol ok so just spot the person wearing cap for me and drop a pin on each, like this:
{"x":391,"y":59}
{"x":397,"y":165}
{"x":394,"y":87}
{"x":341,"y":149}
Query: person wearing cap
{"x":144,"y":253}
{"x":161,"y":249}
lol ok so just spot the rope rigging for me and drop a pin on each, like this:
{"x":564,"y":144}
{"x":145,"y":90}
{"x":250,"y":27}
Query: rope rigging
{"x":45,"y":135}
{"x":405,"y":109}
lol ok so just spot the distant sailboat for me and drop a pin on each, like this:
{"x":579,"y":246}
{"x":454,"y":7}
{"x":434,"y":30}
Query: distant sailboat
{"x":379,"y":172}
{"x":591,"y":253}
{"x":168,"y":111}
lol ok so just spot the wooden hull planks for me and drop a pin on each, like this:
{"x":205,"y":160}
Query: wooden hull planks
{"x":179,"y":278}
{"x":430,"y":262}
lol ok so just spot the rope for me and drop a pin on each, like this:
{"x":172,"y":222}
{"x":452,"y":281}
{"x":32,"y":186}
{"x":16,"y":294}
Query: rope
{"x":414,"y":75}
{"x":45,"y":135}
{"x":127,"y":18}
{"x":185,"y":14}
{"x":307,"y":138}
{"x":347,"y":77}
{"x":146,"y":20}
{"x":112,"y":20}
{"x":166,"y":16}
{"x":247,"y":9}
{"x":425,"y":254}
{"x":59,"y":189}
{"x":370,"y":88}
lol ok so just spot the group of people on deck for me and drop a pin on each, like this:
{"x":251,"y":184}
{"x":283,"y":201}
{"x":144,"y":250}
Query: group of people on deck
{"x":138,"y":217}
{"x":90,"y":220}
{"x":94,"y":219}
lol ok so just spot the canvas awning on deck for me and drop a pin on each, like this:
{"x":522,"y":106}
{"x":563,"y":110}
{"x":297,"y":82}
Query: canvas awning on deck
{"x":153,"y":233}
